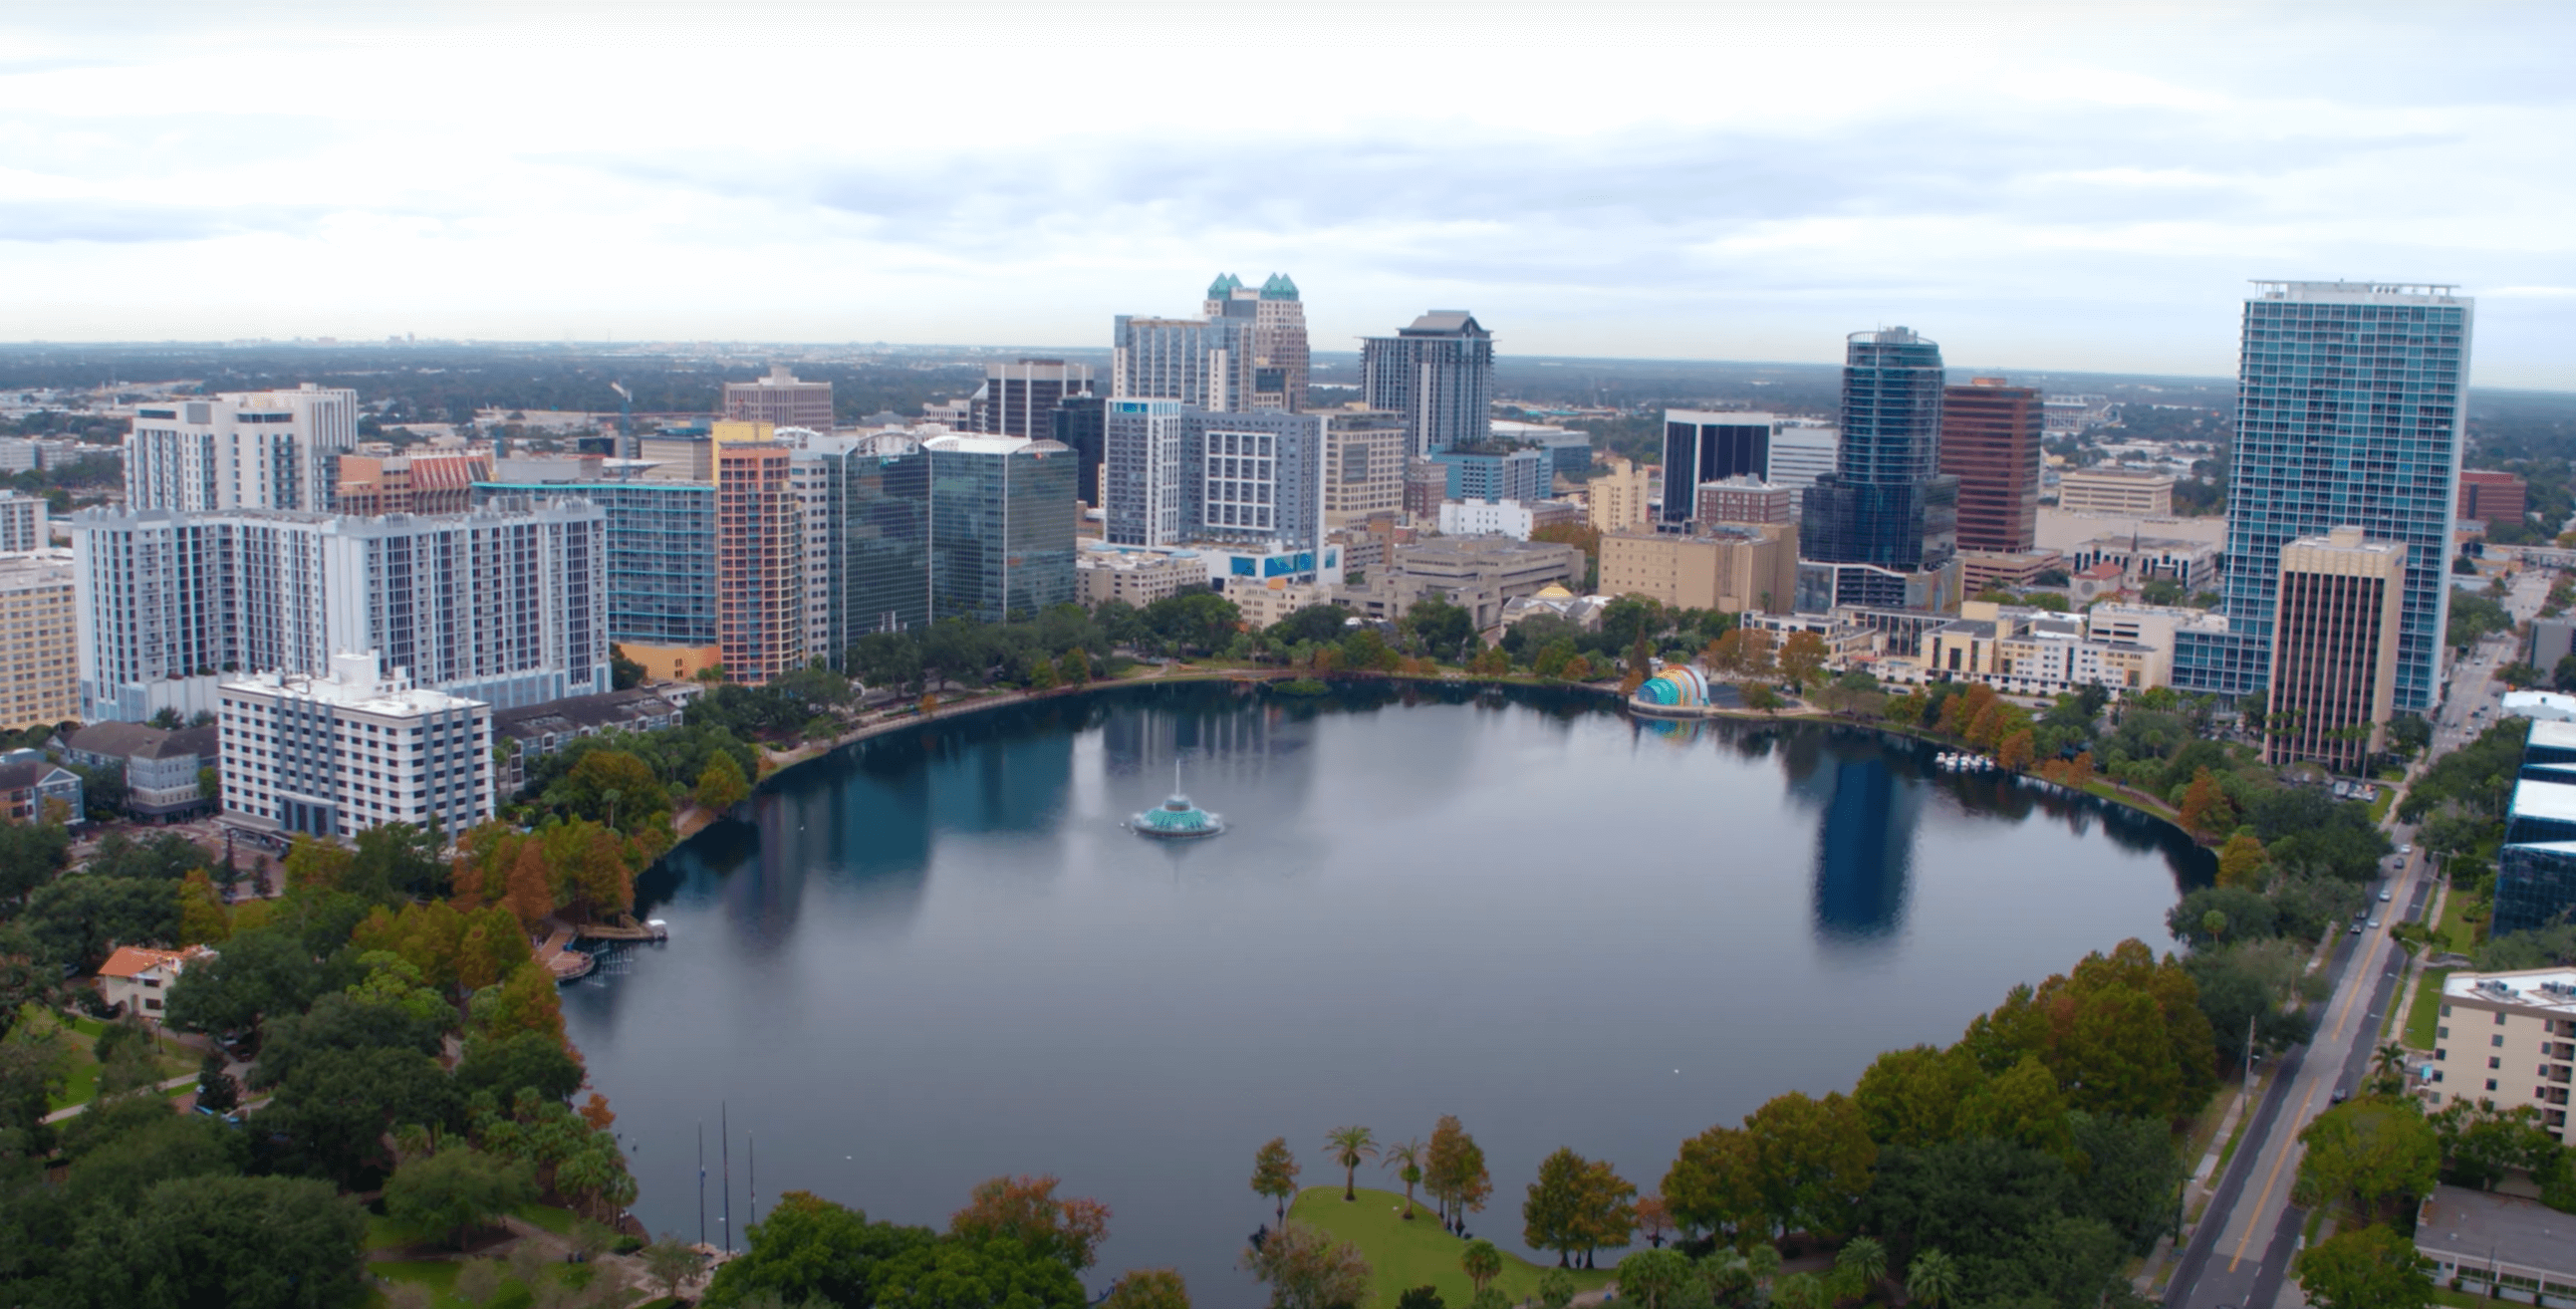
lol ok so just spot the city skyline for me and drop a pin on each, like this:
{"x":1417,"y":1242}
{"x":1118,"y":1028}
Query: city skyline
{"x":2099,"y":208}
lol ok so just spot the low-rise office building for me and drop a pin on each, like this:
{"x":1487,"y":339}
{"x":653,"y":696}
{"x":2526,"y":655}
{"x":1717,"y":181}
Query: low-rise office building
{"x":2508,"y":1039}
{"x":161,"y":764}
{"x":2022,"y":651}
{"x":2126,"y":492}
{"x":1263,"y":606}
{"x":2192,"y":565}
{"x":2506,"y":1246}
{"x":35,"y":790}
{"x":336,"y":754}
{"x":1729,"y":568}
{"x":1137,"y":575}
{"x":1980,"y":570}
{"x":1477,"y":573}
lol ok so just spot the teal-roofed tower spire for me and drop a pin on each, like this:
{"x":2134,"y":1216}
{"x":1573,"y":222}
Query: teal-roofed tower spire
{"x":1225,"y":285}
{"x":1279,"y":288}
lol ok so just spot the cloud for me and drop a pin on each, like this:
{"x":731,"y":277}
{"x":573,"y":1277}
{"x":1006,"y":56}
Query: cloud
{"x":111,"y":223}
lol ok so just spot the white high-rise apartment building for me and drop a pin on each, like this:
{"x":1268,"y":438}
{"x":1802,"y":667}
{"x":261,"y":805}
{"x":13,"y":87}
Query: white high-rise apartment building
{"x":241,"y":450}
{"x":24,"y":523}
{"x":506,"y":604}
{"x":337,"y":753}
{"x":1140,"y":480}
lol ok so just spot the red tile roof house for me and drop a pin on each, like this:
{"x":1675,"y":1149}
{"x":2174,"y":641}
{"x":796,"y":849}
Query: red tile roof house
{"x":139,"y":979}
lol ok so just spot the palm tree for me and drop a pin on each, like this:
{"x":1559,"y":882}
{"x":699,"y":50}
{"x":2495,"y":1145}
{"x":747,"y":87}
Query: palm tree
{"x":1482,"y":1261}
{"x":1932,"y":1278}
{"x":1351,"y":1146}
{"x":2389,"y":1062}
{"x":1405,"y":1157}
{"x":1860,"y":1264}
{"x":1801,"y":1291}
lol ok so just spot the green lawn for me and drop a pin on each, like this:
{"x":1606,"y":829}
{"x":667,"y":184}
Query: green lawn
{"x":386,"y":1234}
{"x":439,"y":1275}
{"x":555,"y":1220}
{"x":74,"y":1035}
{"x":2427,"y":1012}
{"x":1405,"y":1255}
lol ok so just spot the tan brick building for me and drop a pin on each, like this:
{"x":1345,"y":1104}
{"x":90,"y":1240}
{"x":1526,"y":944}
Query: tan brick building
{"x":1731,"y":569}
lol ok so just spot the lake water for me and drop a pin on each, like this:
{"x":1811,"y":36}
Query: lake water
{"x":937,"y":956}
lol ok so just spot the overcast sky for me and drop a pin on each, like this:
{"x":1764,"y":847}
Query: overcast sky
{"x":2037,"y":185}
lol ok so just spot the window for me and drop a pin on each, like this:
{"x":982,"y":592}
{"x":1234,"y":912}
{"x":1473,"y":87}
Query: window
{"x":2490,"y":1083}
{"x":2494,"y":1062}
{"x":2443,"y":1032}
{"x":2440,"y":1053}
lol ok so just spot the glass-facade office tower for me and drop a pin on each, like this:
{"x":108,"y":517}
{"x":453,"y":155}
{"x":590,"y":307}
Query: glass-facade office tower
{"x":885,"y":538}
{"x":2349,"y":412}
{"x":1001,"y":527}
{"x":1711,"y":447}
{"x":661,"y":547}
{"x":1020,"y":398}
{"x":1990,"y":441}
{"x":1079,"y":424}
{"x":1886,"y":503}
{"x":1438,"y":373}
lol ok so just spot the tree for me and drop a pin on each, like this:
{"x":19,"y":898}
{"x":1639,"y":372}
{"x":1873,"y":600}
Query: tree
{"x":456,"y":1190}
{"x":1860,"y":1263}
{"x":1913,"y":1096}
{"x":1482,"y":1261}
{"x":996,"y":1274}
{"x":1577,"y":1204}
{"x":805,"y":1248}
{"x":1802,"y":657}
{"x":1657,"y":1279}
{"x":1148,"y":1288}
{"x":1425,"y":1296}
{"x":216,"y":1090}
{"x":1404,"y":1158}
{"x":1932,"y":1278}
{"x":2013,"y":753}
{"x":506,"y":1064}
{"x":671,"y":1261}
{"x":1274,"y":1173}
{"x":1812,"y":1160}
{"x":2240,"y":861}
{"x":1710,"y":1187}
{"x":2204,"y":806}
{"x":1652,"y":1219}
{"x":1555,"y":1288}
{"x":241,"y":1242}
{"x":2367,"y":1152}
{"x":721,"y":785}
{"x":2366,"y":1268}
{"x":1454,"y":1171}
{"x":1306,"y":1269}
{"x":1351,"y":1146}
{"x":1445,"y":630}
{"x":1025,"y":1209}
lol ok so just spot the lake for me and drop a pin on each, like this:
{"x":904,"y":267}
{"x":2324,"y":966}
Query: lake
{"x":937,"y":956}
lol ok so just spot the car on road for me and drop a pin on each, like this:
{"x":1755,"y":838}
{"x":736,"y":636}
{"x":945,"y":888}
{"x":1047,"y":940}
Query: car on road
{"x":2406,"y":848}
{"x":2374,"y":924}
{"x":2356,"y":928}
{"x":2383,"y":895}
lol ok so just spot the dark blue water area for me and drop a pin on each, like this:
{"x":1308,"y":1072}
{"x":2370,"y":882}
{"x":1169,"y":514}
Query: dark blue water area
{"x":938,"y":956}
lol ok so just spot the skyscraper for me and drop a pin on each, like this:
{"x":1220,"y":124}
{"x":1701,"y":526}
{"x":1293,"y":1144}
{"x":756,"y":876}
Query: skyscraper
{"x":1020,"y":398}
{"x":780,"y":400}
{"x":1201,"y":362}
{"x":1279,"y":354}
{"x":1711,"y":447}
{"x":241,"y":450}
{"x":760,"y":561}
{"x":1080,"y":424}
{"x":2349,"y":412}
{"x":1439,"y":373}
{"x":1253,"y":478}
{"x":1140,"y":482}
{"x":1885,"y":507}
{"x":1990,"y":437}
{"x":885,"y":537}
{"x":2334,"y":648}
{"x":661,"y":573}
{"x":1001,"y":527}
{"x":506,"y":604}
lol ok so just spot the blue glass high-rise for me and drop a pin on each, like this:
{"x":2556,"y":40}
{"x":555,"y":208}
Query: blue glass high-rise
{"x":1886,"y":503}
{"x":2349,"y":412}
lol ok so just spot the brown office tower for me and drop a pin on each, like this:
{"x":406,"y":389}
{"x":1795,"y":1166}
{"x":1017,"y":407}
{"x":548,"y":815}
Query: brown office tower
{"x":780,"y":401}
{"x":1019,"y":399}
{"x":1743,"y":500}
{"x":1279,"y":356}
{"x":2491,"y":498}
{"x":2334,"y":649}
{"x":1990,"y":441}
{"x":372,"y":485}
{"x":760,"y":561}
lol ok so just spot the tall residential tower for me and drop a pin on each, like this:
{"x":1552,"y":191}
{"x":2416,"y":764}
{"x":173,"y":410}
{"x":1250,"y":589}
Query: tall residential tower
{"x":2349,"y":412}
{"x":1439,"y":373}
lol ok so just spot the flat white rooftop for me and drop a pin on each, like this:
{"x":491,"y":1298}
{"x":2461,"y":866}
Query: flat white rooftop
{"x":2541,"y":990}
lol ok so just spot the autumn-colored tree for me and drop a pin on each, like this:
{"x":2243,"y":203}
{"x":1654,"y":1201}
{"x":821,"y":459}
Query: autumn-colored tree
{"x":2204,"y":806}
{"x":613,"y":786}
{"x":2079,"y":770}
{"x":2240,"y":861}
{"x":1490,"y":661}
{"x":491,"y":946}
{"x":1653,"y":1219}
{"x":1903,"y":710}
{"x":1454,"y":1171}
{"x":1912,"y":1097}
{"x":1710,"y":1187}
{"x":1274,"y":1173}
{"x":1025,"y":1209}
{"x":1802,"y":657}
{"x":1148,"y":1288}
{"x":1578,"y":1204}
{"x":1761,"y":660}
{"x":595,"y":1111}
{"x":587,"y":866}
{"x":1577,"y":669}
{"x":1725,"y":655}
{"x":531,"y":887}
{"x":524,"y":1001}
{"x":201,"y":911}
{"x":1812,"y":1161}
{"x":2014,"y":753}
{"x":1307,"y":1269}
{"x":721,"y":784}
{"x":1073,"y":667}
{"x":318,"y":864}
